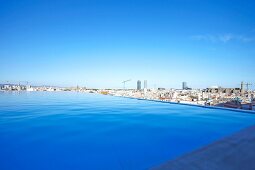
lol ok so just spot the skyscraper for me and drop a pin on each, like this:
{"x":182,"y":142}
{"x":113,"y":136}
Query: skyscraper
{"x":145,"y":84}
{"x":184,"y":86}
{"x":242,"y":87}
{"x":139,"y":85}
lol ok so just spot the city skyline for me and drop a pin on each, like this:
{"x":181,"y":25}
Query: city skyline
{"x":102,"y":43}
{"x":138,"y":86}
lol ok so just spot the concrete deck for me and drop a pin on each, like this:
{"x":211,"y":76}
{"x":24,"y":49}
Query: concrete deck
{"x":236,"y":152}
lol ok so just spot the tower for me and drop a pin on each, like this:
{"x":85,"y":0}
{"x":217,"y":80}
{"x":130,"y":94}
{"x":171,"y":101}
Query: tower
{"x":184,"y":85}
{"x":242,"y":87}
{"x":139,"y":85}
{"x":145,"y":84}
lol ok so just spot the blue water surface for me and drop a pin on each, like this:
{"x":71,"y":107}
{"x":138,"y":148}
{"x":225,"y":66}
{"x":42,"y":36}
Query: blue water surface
{"x":69,"y":130}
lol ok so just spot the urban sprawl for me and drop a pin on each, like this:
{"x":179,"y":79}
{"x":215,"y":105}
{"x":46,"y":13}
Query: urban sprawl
{"x":239,"y":98}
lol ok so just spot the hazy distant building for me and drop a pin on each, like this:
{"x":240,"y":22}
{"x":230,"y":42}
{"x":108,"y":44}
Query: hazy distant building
{"x":139,"y":85}
{"x":184,"y":86}
{"x":223,"y":90}
{"x":145,"y":84}
{"x":242,"y":87}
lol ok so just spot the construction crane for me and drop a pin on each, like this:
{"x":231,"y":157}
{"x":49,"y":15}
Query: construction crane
{"x":124,"y":83}
{"x":247,"y":85}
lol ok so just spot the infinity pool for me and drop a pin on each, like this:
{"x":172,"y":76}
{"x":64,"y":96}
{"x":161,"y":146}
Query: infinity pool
{"x":68,"y":130}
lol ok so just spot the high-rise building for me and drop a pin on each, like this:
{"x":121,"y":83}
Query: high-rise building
{"x":242,"y":87}
{"x":139,"y":85}
{"x":145,"y":87}
{"x":145,"y":84}
{"x":184,"y":86}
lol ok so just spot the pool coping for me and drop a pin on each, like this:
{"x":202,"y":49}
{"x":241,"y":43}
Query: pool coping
{"x":233,"y":152}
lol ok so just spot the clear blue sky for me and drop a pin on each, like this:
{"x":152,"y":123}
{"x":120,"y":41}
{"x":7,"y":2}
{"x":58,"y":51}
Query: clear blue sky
{"x":100,"y":43}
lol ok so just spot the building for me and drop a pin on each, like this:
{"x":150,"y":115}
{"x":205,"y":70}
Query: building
{"x":145,"y":84}
{"x":139,"y":85}
{"x":222,"y":90}
{"x":184,"y":86}
{"x":242,"y":88}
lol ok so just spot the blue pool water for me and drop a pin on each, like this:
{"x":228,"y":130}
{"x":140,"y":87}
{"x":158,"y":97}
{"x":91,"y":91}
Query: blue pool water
{"x":68,"y":130}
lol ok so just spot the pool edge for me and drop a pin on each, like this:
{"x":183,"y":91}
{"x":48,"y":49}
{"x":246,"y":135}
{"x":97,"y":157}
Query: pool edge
{"x":232,"y":152}
{"x":186,"y":104}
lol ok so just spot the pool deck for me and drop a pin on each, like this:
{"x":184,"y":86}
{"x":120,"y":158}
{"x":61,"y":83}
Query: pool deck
{"x":235,"y":152}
